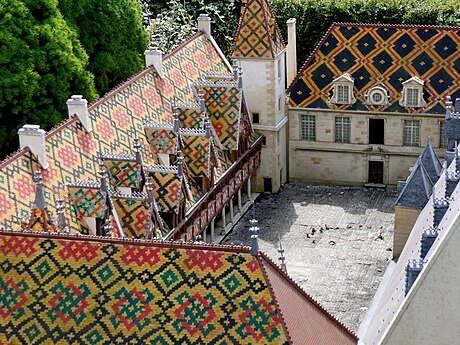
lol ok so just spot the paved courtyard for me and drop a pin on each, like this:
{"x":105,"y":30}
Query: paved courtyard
{"x":337,"y":241}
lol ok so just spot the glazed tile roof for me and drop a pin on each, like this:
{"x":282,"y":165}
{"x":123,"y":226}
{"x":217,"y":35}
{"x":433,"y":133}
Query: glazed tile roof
{"x":381,"y":55}
{"x":116,"y":119}
{"x":95,"y":291}
{"x":258,"y":34}
{"x":92,"y":290}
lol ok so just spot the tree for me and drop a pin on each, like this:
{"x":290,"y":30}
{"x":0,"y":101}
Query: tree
{"x":112,"y":34}
{"x":315,"y":17}
{"x":170,"y":21}
{"x":42,"y":64}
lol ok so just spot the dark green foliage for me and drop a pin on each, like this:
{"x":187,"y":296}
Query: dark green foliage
{"x":171,"y":21}
{"x":42,"y":63}
{"x":314,"y":17}
{"x":112,"y":34}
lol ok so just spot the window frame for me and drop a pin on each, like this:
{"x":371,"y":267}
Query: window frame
{"x":443,"y":141}
{"x":307,"y":127}
{"x":344,"y":82}
{"x":342,"y":129}
{"x":411,"y":133}
{"x":412,"y":88}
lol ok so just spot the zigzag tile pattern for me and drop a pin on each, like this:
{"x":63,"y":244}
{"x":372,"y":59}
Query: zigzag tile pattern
{"x":223,"y":105}
{"x":80,"y":291}
{"x":190,"y":118}
{"x":167,"y":190}
{"x":122,"y":173}
{"x":133,"y":215}
{"x":73,"y":153}
{"x":198,"y":152}
{"x":258,"y":34}
{"x":381,"y":54}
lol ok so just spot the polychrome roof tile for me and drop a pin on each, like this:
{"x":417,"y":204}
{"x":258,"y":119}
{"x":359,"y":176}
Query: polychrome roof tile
{"x":258,"y":34}
{"x":73,"y":154}
{"x":98,"y":291}
{"x":381,"y":55}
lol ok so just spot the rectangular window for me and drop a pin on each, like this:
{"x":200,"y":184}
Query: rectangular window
{"x":412,"y":97}
{"x":279,"y":103}
{"x":255,"y":117}
{"x":411,"y":132}
{"x":442,"y":138}
{"x":342,"y":129}
{"x":308,"y":127}
{"x":342,"y":94}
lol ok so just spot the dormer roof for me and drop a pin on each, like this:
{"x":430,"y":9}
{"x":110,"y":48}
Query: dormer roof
{"x":374,"y":54}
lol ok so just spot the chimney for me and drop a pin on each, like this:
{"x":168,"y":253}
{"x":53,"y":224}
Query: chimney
{"x":34,"y":138}
{"x":204,"y":24}
{"x":413,"y":269}
{"x":77,"y":105}
{"x":291,"y":51}
{"x":154,"y":57}
{"x":440,"y":208}
{"x":428,"y":237}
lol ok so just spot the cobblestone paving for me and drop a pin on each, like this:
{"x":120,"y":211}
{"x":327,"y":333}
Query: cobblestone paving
{"x":337,"y":241}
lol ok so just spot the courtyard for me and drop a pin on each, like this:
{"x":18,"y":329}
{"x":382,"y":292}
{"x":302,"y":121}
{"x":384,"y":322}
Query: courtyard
{"x":337,"y":241}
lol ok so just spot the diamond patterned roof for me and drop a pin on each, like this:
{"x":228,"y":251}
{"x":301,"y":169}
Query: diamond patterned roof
{"x":73,"y":154}
{"x":88,"y":290}
{"x":56,"y":289}
{"x":258,"y":34}
{"x":381,"y":55}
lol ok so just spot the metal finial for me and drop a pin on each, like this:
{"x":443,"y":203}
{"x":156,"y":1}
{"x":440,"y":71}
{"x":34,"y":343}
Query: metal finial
{"x":281,"y":257}
{"x":176,"y":122}
{"x":40,"y":202}
{"x":62,"y":223}
{"x":102,"y":175}
{"x":108,"y":228}
{"x":254,"y":231}
{"x":240,"y":77}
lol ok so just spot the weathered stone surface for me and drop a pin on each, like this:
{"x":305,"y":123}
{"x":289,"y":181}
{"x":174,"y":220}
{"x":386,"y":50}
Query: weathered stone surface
{"x":336,"y":241}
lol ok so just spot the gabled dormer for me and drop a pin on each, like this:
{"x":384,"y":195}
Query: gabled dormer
{"x":342,"y":90}
{"x":412,"y":93}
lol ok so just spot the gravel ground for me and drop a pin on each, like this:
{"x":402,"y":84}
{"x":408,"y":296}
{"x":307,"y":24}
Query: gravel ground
{"x":337,"y":241}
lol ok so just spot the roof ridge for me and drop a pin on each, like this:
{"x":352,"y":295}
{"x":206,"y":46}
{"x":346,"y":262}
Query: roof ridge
{"x":132,"y":241}
{"x":307,"y":295}
{"x":13,"y":156}
{"x":272,"y":292}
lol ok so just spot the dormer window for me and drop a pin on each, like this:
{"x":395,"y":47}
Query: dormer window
{"x":412,"y":95}
{"x":378,"y":95}
{"x":342,"y":90}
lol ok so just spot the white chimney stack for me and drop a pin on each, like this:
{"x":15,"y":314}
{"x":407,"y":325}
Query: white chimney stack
{"x":154,"y":57}
{"x":77,"y":105}
{"x":291,"y":51}
{"x":33,"y":137}
{"x":204,"y":24}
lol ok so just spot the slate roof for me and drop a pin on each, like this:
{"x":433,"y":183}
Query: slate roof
{"x":391,"y":302}
{"x":119,"y":117}
{"x":377,"y":54}
{"x":86,"y":290}
{"x":417,"y":188}
{"x":258,"y":34}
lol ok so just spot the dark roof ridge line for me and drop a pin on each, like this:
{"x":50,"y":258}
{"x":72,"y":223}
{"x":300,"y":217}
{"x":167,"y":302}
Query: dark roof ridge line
{"x":132,"y":241}
{"x":13,"y":156}
{"x":272,"y":292}
{"x":387,"y":25}
{"x":368,"y":25}
{"x":307,"y":295}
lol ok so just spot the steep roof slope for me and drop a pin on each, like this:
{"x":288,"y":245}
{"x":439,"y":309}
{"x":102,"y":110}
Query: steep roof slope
{"x":258,"y":34}
{"x":306,"y":321}
{"x":116,"y":119}
{"x":84,"y":290}
{"x":381,"y":55}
